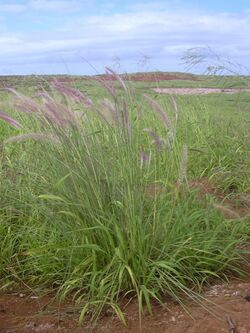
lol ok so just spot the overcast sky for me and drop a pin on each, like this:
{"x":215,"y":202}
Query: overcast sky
{"x":81,"y":37}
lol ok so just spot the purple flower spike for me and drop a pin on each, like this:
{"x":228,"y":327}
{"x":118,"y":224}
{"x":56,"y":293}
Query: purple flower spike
{"x":10,"y":120}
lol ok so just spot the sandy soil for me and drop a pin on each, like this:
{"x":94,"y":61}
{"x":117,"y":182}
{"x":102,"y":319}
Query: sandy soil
{"x":198,"y":91}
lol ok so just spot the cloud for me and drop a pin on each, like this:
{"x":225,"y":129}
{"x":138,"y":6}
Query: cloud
{"x":8,"y":40}
{"x":12,"y":8}
{"x":41,"y":5}
{"x":54,"y":5}
{"x":160,"y":32}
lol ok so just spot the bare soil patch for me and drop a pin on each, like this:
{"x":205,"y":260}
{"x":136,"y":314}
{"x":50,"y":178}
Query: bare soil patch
{"x":228,"y":302}
{"x":199,"y":91}
{"x":231,"y":205}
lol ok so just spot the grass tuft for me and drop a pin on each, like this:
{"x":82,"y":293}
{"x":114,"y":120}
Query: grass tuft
{"x":91,"y":206}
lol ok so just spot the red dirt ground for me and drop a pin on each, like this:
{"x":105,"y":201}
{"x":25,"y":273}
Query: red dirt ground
{"x":146,"y":77}
{"x":231,"y":205}
{"x":21,"y":313}
{"x":149,"y":77}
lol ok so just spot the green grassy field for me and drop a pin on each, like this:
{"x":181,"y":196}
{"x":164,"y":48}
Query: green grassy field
{"x":95,"y":201}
